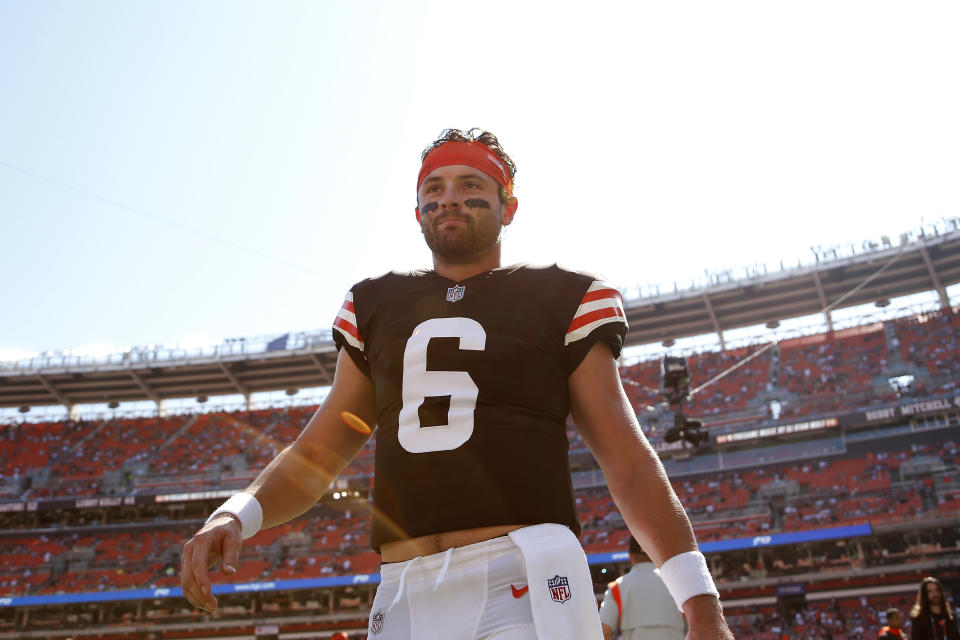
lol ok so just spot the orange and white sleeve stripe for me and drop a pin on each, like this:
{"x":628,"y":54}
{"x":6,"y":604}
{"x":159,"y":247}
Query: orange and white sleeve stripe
{"x":600,"y":305}
{"x":346,"y":323}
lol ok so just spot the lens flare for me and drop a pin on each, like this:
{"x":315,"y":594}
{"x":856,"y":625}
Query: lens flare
{"x":355,"y":422}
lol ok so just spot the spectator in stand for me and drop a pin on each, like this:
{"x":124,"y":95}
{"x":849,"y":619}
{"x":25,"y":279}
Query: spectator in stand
{"x":931,"y":616}
{"x":893,"y":630}
{"x":638,"y":605}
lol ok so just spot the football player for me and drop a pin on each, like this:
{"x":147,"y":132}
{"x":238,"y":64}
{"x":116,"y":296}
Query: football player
{"x":469,"y":371}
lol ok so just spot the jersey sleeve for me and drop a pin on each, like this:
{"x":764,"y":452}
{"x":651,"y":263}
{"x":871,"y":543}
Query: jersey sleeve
{"x":346,"y":334}
{"x":609,"y":611}
{"x":599,"y":317}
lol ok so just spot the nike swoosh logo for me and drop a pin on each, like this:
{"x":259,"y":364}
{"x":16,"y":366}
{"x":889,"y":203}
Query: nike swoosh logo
{"x":519,"y":592}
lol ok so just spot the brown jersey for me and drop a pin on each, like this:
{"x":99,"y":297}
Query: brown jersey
{"x":471,"y":392}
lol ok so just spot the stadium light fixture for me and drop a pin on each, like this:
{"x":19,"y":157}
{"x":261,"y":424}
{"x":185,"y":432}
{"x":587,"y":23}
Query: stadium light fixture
{"x":202,"y":399}
{"x":883,"y":302}
{"x":669,"y":342}
{"x":113,"y":404}
{"x":773,"y":324}
{"x":24,"y":409}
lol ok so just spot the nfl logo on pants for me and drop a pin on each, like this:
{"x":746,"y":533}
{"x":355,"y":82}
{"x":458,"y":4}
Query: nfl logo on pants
{"x":376,"y":622}
{"x":559,"y":588}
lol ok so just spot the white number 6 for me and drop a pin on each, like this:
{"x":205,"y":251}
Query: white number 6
{"x":418,"y":384}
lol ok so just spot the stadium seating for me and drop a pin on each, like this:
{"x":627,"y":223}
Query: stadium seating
{"x":831,"y":363}
{"x":930,"y":341}
{"x":732,"y":392}
{"x":818,"y":374}
{"x":116,"y":443}
{"x":820,"y":371}
{"x":32,"y":446}
{"x":831,"y":619}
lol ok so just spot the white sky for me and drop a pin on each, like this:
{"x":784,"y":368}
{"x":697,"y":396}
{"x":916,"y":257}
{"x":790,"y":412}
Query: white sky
{"x":174,"y":171}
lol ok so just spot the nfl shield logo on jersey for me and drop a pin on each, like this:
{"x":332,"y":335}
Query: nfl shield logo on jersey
{"x":376,"y":622}
{"x":559,"y":588}
{"x":455,"y":293}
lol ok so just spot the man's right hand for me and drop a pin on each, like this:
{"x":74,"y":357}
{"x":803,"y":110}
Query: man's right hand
{"x":218,"y":539}
{"x":290,"y":485}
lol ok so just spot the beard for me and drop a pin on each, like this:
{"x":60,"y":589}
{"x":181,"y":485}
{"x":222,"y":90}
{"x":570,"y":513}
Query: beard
{"x":461,"y":243}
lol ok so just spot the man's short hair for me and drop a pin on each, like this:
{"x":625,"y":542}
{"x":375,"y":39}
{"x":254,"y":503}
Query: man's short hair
{"x":637,"y":551}
{"x":893,"y":611}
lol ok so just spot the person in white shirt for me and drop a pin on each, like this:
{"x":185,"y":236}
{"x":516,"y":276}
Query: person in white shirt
{"x":638,"y":605}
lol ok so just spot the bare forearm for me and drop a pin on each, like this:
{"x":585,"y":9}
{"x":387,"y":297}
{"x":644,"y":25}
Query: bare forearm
{"x":634,"y":474}
{"x":298,"y":477}
{"x":639,"y":485}
{"x":658,"y":521}
{"x":290,"y":485}
{"x":650,"y":507}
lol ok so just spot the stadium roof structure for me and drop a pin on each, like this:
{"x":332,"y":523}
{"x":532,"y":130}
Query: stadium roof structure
{"x":923,"y":261}
{"x":882,"y":271}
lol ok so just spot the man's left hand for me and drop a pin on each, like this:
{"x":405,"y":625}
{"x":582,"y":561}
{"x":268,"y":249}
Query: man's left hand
{"x":705,"y":618}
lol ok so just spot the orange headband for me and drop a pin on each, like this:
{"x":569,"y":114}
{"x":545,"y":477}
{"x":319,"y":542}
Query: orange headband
{"x":472,"y":154}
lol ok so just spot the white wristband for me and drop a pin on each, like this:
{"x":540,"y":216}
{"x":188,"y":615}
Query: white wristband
{"x":248,"y":511}
{"x":686,"y":575}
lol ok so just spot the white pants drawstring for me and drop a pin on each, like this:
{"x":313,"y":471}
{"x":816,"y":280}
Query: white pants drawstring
{"x":403,"y":577}
{"x":443,"y":569}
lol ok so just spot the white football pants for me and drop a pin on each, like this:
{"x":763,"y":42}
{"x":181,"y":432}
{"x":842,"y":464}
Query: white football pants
{"x":533,"y":584}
